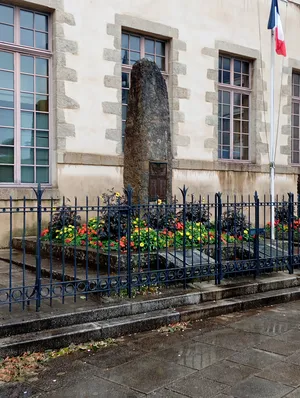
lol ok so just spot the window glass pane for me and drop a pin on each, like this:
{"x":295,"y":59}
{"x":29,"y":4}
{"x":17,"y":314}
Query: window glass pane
{"x":220,"y":76}
{"x":237,"y":79}
{"x":295,"y":132}
{"x":237,"y":126}
{"x":42,"y":103}
{"x":150,"y":57}
{"x":296,"y":91}
{"x":27,"y":155}
{"x":6,"y":60}
{"x":26,"y":19}
{"x":42,"y":121}
{"x":245,"y":139}
{"x":41,"y":66}
{"x":245,"y":81}
{"x":134,"y":43}
{"x":6,"y":154}
{"x":125,"y":57}
{"x":245,"y":68}
{"x":27,"y":101}
{"x":27,"y":120}
{"x":295,"y":157}
{"x":245,"y":113}
{"x":245,"y":127}
{"x":237,"y":112}
{"x":236,"y":139}
{"x":237,"y":99}
{"x":226,"y":138}
{"x":27,"y":37}
{"x":42,"y":156}
{"x":42,"y":175}
{"x":124,"y":112}
{"x":225,"y":152}
{"x":27,"y":138}
{"x":27,"y":64}
{"x":226,"y":77}
{"x":295,"y":108}
{"x":41,"y":40}
{"x":295,"y":120}
{"x":27,"y":83}
{"x":27,"y":174}
{"x":6,"y":79}
{"x":245,"y":100}
{"x":245,"y":154}
{"x":226,"y":111}
{"x":6,"y":136}
{"x":160,"y":48}
{"x":237,"y":66}
{"x":41,"y":85}
{"x":150,"y":46}
{"x":226,"y":63}
{"x":42,"y":139}
{"x":226,"y":97}
{"x":160,"y":63}
{"x":6,"y":117}
{"x":125,"y":95}
{"x":6,"y":14}
{"x":134,"y":57}
{"x":6,"y":99}
{"x":125,"y":41}
{"x":6,"y":33}
{"x":7,"y":173}
{"x":237,"y":152}
{"x":226,"y":124}
{"x":125,"y":80}
{"x":41,"y":22}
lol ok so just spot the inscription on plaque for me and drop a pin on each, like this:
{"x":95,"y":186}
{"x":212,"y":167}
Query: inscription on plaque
{"x":157,"y":180}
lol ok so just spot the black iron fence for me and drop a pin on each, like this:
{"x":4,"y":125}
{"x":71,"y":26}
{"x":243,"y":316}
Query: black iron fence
{"x":116,"y":247}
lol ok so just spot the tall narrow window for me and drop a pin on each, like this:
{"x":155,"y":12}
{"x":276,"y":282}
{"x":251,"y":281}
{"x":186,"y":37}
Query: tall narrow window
{"x":234,"y":104}
{"x":134,"y":48}
{"x":24,"y":96}
{"x":295,"y":119}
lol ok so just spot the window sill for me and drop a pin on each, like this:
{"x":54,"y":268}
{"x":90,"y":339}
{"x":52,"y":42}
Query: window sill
{"x":19,"y":192}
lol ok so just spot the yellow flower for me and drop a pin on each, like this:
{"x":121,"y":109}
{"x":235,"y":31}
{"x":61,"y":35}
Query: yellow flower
{"x":159,"y":201}
{"x":246,"y":232}
{"x":198,"y":224}
{"x":187,"y":234}
{"x":190,"y":237}
{"x":142,"y":244}
{"x":118,"y":194}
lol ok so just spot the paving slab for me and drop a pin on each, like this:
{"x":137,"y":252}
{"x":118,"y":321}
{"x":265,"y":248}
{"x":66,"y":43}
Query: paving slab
{"x":279,"y":347}
{"x":256,"y":358}
{"x":194,"y":355}
{"x":267,"y":327}
{"x":255,"y":387}
{"x":286,"y":373}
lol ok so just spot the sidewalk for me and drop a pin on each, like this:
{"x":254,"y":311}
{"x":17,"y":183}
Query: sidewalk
{"x":243,"y":355}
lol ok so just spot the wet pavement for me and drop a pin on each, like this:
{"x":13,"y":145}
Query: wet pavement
{"x":255,"y":354}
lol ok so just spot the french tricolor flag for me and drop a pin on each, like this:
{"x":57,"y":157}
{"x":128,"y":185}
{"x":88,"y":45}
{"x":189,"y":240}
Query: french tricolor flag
{"x":275,"y":23}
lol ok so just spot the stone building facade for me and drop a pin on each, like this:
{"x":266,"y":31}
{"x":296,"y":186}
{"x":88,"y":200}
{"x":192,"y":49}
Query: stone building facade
{"x":215,"y":58}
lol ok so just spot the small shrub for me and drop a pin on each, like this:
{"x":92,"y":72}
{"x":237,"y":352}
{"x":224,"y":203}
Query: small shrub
{"x":234,"y":222}
{"x":64,"y":216}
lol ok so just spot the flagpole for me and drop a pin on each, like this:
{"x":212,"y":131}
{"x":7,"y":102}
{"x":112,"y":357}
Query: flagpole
{"x":272,"y":138}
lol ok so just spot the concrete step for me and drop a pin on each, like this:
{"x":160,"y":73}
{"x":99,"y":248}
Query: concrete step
{"x":118,"y":326}
{"x":203,"y":292}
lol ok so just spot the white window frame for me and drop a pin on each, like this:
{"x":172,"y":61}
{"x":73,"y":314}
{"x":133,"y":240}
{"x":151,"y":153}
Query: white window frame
{"x":18,"y":50}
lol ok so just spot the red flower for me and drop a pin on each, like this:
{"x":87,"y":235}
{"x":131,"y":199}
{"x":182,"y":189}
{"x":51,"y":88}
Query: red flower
{"x":68,"y":240}
{"x":240,"y":238}
{"x":45,"y":232}
{"x":82,"y":242}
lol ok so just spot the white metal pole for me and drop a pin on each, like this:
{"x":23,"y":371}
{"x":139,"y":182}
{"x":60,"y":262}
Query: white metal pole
{"x":272,"y":138}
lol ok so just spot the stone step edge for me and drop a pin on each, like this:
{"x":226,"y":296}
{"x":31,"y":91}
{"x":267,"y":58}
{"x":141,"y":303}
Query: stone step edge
{"x":116,"y":327}
{"x":134,"y":307}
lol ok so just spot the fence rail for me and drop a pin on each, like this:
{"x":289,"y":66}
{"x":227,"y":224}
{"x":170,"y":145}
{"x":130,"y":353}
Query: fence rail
{"x":116,"y":247}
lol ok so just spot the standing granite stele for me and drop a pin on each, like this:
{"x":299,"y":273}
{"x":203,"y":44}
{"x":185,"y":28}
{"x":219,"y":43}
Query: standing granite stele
{"x":148,"y":149}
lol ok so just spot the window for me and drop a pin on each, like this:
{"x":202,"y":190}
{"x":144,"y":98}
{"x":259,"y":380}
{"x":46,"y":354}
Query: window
{"x":24,"y":96}
{"x":295,"y":119}
{"x":134,"y":48}
{"x":234,"y":103}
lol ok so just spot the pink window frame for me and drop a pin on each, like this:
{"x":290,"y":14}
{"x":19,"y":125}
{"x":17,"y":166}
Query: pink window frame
{"x":18,"y":50}
{"x":239,"y":90}
{"x":126,"y":68}
{"x":297,"y":101}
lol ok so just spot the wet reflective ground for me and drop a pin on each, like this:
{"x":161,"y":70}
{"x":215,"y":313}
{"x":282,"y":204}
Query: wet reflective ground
{"x":255,"y":354}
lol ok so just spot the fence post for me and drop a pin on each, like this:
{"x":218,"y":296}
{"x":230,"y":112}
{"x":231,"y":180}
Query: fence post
{"x":256,"y":238}
{"x":291,"y":232}
{"x":218,"y":238}
{"x":298,"y":206}
{"x":128,"y":192}
{"x":38,"y":277}
{"x":184,"y":193}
